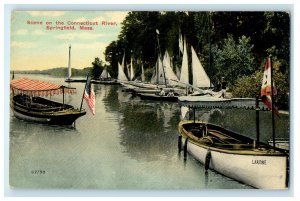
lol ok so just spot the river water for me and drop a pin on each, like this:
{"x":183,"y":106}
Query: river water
{"x":128,"y":144}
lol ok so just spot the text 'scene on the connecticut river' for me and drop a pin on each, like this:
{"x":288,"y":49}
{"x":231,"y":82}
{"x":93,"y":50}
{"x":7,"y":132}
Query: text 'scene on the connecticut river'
{"x":71,"y":25}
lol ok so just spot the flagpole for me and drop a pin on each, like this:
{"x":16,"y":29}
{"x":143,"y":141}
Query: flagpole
{"x":87,"y":77}
{"x":272,"y":95}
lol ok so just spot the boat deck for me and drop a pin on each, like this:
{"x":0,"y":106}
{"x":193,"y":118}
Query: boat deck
{"x":215,"y":137}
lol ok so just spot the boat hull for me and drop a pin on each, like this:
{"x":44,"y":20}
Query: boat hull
{"x":107,"y":82}
{"x":148,"y":96}
{"x":37,"y":109}
{"x":259,"y":168}
{"x":57,"y":118}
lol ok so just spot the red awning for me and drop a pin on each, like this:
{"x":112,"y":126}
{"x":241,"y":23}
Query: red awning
{"x":37,"y":87}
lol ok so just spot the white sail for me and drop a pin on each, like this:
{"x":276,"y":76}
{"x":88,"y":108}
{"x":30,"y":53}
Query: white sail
{"x":143,"y":74}
{"x":121,"y":74}
{"x":180,"y":42}
{"x":123,"y":62}
{"x":69,"y":64}
{"x":131,"y":70}
{"x":184,"y":75}
{"x":105,"y":74}
{"x":184,"y":110}
{"x":159,"y":76}
{"x":200,"y":78}
{"x":169,"y":73}
{"x":128,"y":72}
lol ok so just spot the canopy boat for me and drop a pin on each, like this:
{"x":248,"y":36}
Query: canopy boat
{"x":28,"y":105}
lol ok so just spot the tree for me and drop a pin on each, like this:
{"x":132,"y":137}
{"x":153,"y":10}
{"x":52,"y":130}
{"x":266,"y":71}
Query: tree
{"x":234,"y":60}
{"x":97,"y":68}
{"x":249,"y":86}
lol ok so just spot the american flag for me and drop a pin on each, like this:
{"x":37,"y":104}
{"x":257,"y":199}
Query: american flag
{"x":89,"y":95}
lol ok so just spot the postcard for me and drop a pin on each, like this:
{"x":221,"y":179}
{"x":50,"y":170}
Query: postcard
{"x":149,"y":100}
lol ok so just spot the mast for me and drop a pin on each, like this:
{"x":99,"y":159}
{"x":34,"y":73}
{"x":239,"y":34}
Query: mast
{"x":160,"y":57}
{"x":69,"y":64}
{"x":209,"y":54}
{"x":87,"y":80}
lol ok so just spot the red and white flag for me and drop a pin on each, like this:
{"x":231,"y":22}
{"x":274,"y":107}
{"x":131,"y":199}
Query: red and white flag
{"x":266,"y":87}
{"x":89,"y":95}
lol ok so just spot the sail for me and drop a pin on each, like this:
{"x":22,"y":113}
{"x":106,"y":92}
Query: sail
{"x":121,"y":74}
{"x":128,"y":72}
{"x":105,"y":74}
{"x":123,"y":62}
{"x":169,"y":73}
{"x":131,"y":70}
{"x":184,"y":75}
{"x":159,"y":76}
{"x":180,"y":42}
{"x":200,"y":78}
{"x":69,"y":64}
{"x":143,"y":74}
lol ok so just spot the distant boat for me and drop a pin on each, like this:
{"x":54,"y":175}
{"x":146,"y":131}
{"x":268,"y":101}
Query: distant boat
{"x":28,"y":105}
{"x":69,"y":67}
{"x":105,"y":78}
{"x":171,"y":97}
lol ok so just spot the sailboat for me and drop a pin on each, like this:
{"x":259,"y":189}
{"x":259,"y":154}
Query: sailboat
{"x":69,"y":70}
{"x":200,"y":77}
{"x":105,"y":78}
{"x":69,"y":67}
{"x":167,"y":83}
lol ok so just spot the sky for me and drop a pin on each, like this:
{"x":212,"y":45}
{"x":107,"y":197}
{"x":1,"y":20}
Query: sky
{"x":34,"y":47}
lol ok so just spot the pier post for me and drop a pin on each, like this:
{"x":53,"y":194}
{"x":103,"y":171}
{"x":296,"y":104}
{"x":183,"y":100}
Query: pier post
{"x":185,"y":149}
{"x":257,"y":121}
{"x":179,"y":143}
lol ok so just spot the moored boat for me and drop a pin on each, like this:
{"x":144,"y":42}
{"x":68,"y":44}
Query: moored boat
{"x":234,"y":155}
{"x":105,"y":78}
{"x":28,"y":105}
{"x":172,"y":97}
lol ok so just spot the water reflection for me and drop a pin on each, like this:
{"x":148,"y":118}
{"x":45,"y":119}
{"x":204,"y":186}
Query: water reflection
{"x":146,"y":128}
{"x":128,"y":144}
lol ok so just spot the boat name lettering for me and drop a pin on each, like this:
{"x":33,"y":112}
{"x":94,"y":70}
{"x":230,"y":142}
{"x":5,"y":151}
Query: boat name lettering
{"x":259,"y":162}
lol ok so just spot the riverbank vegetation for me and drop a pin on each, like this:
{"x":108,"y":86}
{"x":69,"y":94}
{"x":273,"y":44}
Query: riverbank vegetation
{"x":233,"y":45}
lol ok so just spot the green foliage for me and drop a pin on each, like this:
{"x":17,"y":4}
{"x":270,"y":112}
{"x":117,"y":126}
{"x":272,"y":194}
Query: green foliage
{"x":249,"y":87}
{"x":97,"y":68}
{"x":233,"y":60}
{"x":229,"y":44}
{"x":58,"y":72}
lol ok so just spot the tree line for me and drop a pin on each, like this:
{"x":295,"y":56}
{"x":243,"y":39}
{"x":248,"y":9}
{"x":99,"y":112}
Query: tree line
{"x":233,"y":45}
